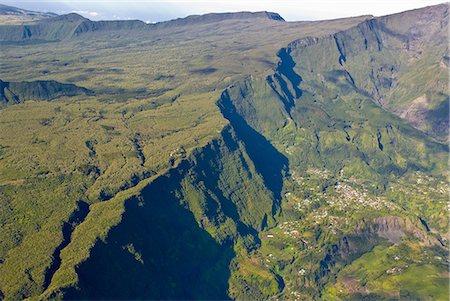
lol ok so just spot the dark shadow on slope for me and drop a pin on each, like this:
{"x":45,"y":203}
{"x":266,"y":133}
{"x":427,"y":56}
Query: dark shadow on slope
{"x":439,"y":118}
{"x":157,"y":252}
{"x":287,"y":98}
{"x":270,"y":163}
{"x":75,"y":219}
{"x":286,"y":67}
{"x":285,"y":71}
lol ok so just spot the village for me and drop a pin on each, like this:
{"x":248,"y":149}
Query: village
{"x":332,"y":204}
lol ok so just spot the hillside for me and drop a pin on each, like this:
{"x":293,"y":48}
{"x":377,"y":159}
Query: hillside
{"x":225,"y":156}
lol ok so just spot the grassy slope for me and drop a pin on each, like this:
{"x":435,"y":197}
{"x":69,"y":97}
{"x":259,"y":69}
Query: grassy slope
{"x":387,"y":272}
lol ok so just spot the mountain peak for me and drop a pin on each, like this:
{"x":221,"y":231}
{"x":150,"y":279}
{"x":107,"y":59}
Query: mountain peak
{"x":71,"y":17}
{"x":236,"y":15}
{"x":274,"y":16}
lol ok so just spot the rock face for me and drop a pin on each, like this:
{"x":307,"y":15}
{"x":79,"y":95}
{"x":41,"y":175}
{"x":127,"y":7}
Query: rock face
{"x":366,"y":236}
{"x":397,"y":60}
{"x":394,"y":228}
{"x":16,"y":92}
{"x":390,"y":228}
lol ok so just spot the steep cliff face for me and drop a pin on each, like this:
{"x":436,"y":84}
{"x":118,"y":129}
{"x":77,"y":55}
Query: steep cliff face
{"x":326,"y":101}
{"x":395,"y":60}
{"x":328,"y":128}
{"x":216,"y":203}
{"x":178,"y":235}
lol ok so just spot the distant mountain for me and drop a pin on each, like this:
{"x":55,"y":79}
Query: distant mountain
{"x":217,"y":17}
{"x":70,"y":25}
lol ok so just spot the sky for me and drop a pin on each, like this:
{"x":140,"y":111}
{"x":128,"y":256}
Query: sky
{"x":159,"y":10}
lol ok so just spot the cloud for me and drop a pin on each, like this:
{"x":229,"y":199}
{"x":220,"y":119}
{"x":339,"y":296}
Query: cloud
{"x":87,"y":13}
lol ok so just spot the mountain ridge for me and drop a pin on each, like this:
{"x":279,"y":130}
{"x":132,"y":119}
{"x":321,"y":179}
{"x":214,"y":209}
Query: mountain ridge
{"x":60,"y":27}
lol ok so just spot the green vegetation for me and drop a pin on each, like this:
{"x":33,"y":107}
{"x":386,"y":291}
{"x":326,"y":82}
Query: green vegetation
{"x":224,"y":156}
{"x":399,"y":271}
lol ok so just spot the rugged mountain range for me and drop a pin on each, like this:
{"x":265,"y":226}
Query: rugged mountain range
{"x":70,"y":25}
{"x":225,"y":156}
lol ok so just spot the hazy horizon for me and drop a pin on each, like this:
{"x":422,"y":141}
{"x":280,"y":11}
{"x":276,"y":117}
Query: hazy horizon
{"x":158,"y":10}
